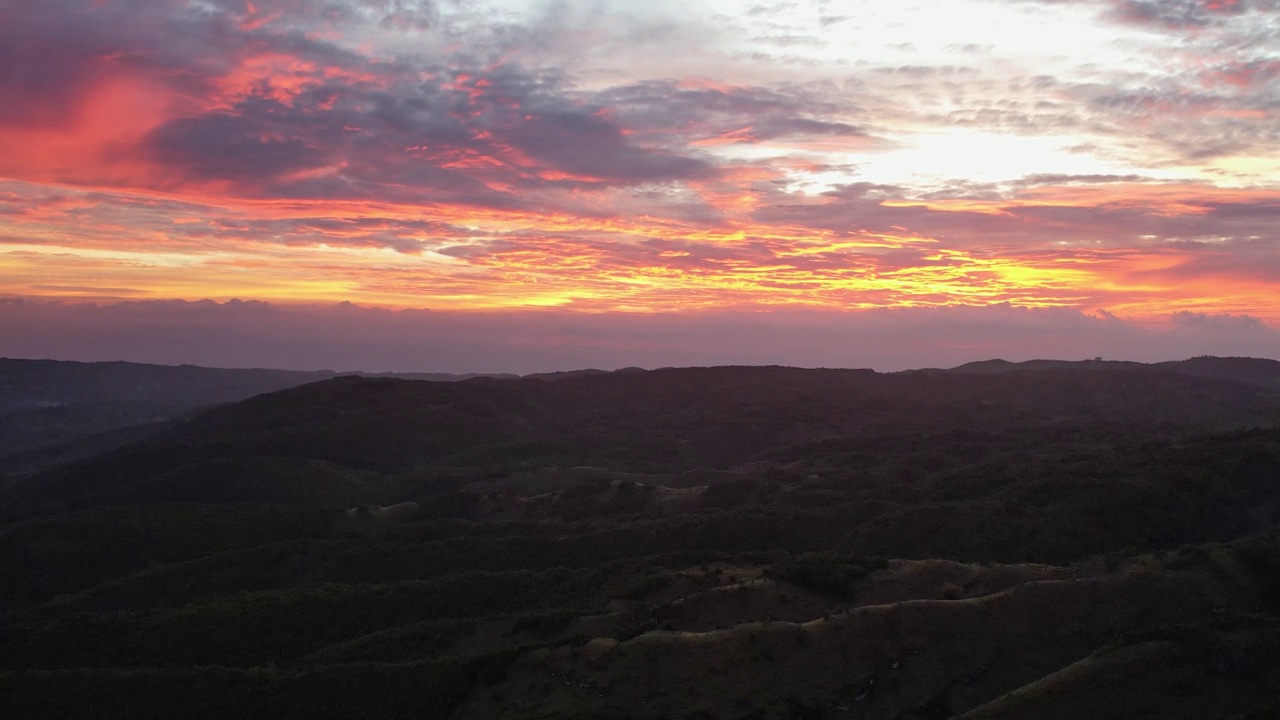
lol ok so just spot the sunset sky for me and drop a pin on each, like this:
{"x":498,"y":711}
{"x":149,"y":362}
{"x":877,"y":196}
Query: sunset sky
{"x":507,"y":185}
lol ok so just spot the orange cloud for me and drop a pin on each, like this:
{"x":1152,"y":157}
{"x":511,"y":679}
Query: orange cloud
{"x":258,"y":158}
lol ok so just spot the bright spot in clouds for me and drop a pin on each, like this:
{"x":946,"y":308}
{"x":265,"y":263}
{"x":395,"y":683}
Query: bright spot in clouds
{"x":976,"y":156}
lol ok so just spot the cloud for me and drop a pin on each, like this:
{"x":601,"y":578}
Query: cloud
{"x":254,"y":108}
{"x":1221,"y":321}
{"x":347,"y":337}
{"x":1176,"y":14}
{"x":617,"y":156}
{"x":586,"y":146}
{"x":697,"y":111}
{"x":222,"y":146}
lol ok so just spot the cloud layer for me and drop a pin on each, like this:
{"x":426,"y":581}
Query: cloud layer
{"x":497,"y":155}
{"x":350,"y":337}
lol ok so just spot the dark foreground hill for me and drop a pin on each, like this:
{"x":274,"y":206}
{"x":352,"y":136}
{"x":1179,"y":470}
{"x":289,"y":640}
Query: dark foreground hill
{"x":1048,"y":541}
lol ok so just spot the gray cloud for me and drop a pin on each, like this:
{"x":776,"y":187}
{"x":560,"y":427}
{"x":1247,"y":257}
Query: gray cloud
{"x":1176,"y":14}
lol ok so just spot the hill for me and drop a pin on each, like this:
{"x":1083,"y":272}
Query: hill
{"x":750,"y":542}
{"x":54,"y":410}
{"x":44,"y":403}
{"x":1251,"y":370}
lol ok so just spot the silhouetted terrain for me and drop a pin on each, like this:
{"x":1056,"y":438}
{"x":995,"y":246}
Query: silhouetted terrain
{"x":996,"y":541}
{"x":44,"y":403}
{"x":1250,"y":370}
{"x":48,"y":407}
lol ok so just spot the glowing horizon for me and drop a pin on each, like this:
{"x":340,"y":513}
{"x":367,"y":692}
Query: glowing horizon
{"x":1092,"y":155}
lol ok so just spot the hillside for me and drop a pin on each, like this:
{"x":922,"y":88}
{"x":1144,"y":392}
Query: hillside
{"x":1048,"y":541}
{"x":57,"y":410}
{"x":47,"y":403}
{"x":1250,"y":370}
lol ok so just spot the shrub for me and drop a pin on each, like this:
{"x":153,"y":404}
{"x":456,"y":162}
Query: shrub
{"x":826,"y":573}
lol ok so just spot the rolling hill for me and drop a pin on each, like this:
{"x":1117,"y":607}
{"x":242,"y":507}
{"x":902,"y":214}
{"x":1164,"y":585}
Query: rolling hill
{"x":1011,"y":540}
{"x":51,"y":410}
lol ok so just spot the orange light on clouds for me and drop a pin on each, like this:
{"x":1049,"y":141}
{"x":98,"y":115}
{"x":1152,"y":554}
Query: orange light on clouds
{"x":734,"y":266}
{"x":295,"y":159}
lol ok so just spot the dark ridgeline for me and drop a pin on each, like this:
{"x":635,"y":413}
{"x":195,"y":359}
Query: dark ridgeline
{"x":54,"y":410}
{"x":1000,"y":540}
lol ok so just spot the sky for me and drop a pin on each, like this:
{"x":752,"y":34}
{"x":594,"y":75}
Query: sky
{"x":500,"y":185}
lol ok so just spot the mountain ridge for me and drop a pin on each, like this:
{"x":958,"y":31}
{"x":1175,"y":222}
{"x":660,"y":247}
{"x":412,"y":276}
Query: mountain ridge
{"x":689,"y":543}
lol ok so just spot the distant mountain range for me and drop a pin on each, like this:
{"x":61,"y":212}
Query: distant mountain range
{"x":1252,"y":370}
{"x":51,"y":410}
{"x":46,"y":404}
